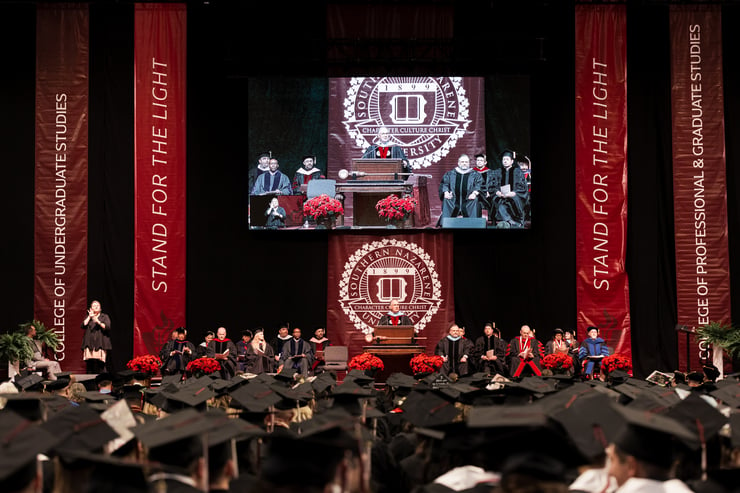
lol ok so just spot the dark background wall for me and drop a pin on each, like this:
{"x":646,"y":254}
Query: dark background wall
{"x":242,"y":279}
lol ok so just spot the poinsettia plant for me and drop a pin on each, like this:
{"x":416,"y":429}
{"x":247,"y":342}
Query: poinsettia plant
{"x":322,"y":206}
{"x":424,"y":363}
{"x":366,"y":361}
{"x":393,"y":208}
{"x":203,"y":366}
{"x":557,"y":362}
{"x":616,"y":362}
{"x":147,"y":363}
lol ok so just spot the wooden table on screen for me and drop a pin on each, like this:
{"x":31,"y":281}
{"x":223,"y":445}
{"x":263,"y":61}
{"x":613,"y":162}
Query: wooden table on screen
{"x":396,"y":358}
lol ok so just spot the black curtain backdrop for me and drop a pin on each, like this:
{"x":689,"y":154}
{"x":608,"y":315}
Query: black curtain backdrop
{"x":242,"y":279}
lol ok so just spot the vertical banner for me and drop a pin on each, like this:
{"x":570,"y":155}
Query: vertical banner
{"x":699,"y":187}
{"x":159,"y":113}
{"x":601,"y":173}
{"x":60,"y":229}
{"x":367,"y":272}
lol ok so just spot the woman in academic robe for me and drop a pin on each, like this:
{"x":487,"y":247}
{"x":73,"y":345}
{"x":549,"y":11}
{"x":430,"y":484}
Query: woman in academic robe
{"x":260,"y":358}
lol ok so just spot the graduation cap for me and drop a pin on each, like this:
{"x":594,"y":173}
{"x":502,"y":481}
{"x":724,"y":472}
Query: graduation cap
{"x":728,"y":394}
{"x":699,"y":416}
{"x":256,"y":397}
{"x":31,"y":405}
{"x":81,"y":428}
{"x":107,"y":473}
{"x":57,"y":385}
{"x":429,"y":409}
{"x":324,"y":381}
{"x":359,"y":377}
{"x":20,"y":442}
{"x":651,"y":437}
{"x":30,"y":383}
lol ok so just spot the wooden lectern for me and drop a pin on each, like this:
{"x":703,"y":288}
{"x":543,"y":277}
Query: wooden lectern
{"x":397,"y":335}
{"x":378,"y":169}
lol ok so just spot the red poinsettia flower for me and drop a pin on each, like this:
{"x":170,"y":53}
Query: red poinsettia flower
{"x":366,"y":361}
{"x":423,"y":363}
{"x":203,"y":366}
{"x":557,"y":361}
{"x":322,"y":206}
{"x":616,"y":362}
{"x":393,"y":207}
{"x":147,"y":363}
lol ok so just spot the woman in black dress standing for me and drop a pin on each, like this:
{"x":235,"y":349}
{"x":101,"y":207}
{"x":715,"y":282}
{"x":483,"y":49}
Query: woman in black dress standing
{"x":96,"y":341}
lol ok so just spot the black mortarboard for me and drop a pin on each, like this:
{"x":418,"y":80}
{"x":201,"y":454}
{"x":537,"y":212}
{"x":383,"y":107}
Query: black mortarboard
{"x":651,"y":437}
{"x":429,"y":409}
{"x":255,"y":397}
{"x":711,"y":372}
{"x":82,"y":429}
{"x":109,"y":474}
{"x":58,"y":384}
{"x":31,"y":405}
{"x":103,"y":377}
{"x":286,"y":374}
{"x":401,"y":381}
{"x":359,"y":377}
{"x":97,"y":396}
{"x":728,"y":394}
{"x":29,"y":383}
{"x":699,"y":416}
{"x":324,"y":381}
{"x":194,"y":394}
{"x":20,"y":442}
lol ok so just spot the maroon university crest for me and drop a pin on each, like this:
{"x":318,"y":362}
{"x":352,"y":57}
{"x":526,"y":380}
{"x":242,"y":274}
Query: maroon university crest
{"x":381,"y":271}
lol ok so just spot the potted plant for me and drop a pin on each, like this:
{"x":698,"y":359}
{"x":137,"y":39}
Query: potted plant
{"x":202,"y":366}
{"x":148,"y":364}
{"x":423,"y":364}
{"x":395,"y":210}
{"x":324,"y":210}
{"x":15,"y":349}
{"x":616,"y":362}
{"x":558,"y":363}
{"x":367,"y":362}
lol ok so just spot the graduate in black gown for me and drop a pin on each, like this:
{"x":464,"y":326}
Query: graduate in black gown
{"x":509,"y":191}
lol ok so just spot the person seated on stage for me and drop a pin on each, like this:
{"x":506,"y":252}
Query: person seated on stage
{"x":306,"y":173}
{"x":297,"y":353}
{"x":454,"y":352}
{"x":177,"y":354}
{"x":260,"y":358}
{"x":275,"y":215}
{"x":524,"y":354}
{"x":459,"y":190}
{"x":525,"y":164}
{"x":509,"y":192}
{"x":38,"y":361}
{"x":385,"y":149}
{"x":279,"y":341}
{"x":263,"y":164}
{"x":273,"y":181}
{"x":593,"y":350}
{"x":241,"y":350}
{"x":163,"y":349}
{"x":557,"y":344}
{"x":319,"y":342}
{"x":203,"y":346}
{"x":490,"y":351}
{"x":224,"y":351}
{"x":484,"y":199}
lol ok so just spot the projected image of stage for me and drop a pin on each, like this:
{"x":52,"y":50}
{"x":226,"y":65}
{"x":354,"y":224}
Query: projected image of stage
{"x":403,"y":152}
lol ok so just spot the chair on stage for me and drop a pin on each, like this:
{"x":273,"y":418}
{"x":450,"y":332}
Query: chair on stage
{"x":335,"y":358}
{"x":321,"y":186}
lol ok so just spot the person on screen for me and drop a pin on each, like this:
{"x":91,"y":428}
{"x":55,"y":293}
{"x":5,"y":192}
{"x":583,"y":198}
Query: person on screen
{"x":263,"y":164}
{"x":509,"y":191}
{"x":306,"y":173}
{"x":459,"y":190}
{"x":525,"y":164}
{"x":484,"y":199}
{"x":384,"y":149}
{"x":275,"y":215}
{"x":273,"y":181}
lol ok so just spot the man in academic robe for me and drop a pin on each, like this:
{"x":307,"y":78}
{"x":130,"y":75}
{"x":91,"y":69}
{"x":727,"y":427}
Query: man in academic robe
{"x":394,"y":316}
{"x":385,"y":149}
{"x":273,"y":181}
{"x":459,"y":190}
{"x":224,"y":351}
{"x":279,"y":341}
{"x":524,"y":354}
{"x":484,"y":199}
{"x":297,"y":353}
{"x":263,"y":164}
{"x":508,"y":188}
{"x":557,"y":344}
{"x":241,"y":350}
{"x":454,"y":352}
{"x":490,"y":351}
{"x":306,"y":173}
{"x":593,"y":350}
{"x":177,"y":353}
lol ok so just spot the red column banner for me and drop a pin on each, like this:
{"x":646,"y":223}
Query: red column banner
{"x":60,"y":231}
{"x":159,"y":113}
{"x":601,"y":173}
{"x":699,"y":188}
{"x":366,"y":272}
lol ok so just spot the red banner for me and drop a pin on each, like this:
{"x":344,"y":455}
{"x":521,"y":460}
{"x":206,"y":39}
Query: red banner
{"x":699,"y":188}
{"x":366,"y":272}
{"x":159,"y":278}
{"x":601,"y":173}
{"x":60,"y":231}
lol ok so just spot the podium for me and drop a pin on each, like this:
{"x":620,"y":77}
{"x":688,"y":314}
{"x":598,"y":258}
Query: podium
{"x":395,"y":345}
